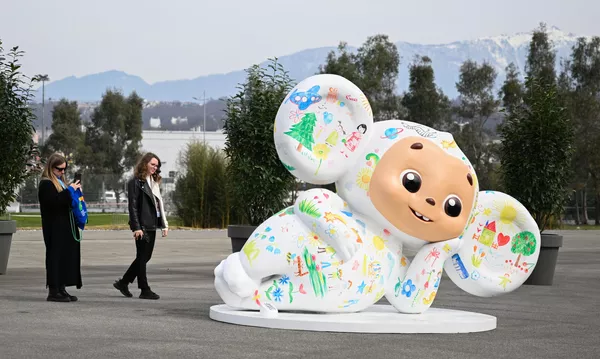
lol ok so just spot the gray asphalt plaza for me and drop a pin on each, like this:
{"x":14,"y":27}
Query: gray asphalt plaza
{"x":558,"y":321}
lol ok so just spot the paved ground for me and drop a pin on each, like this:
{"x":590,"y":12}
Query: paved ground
{"x":559,"y":321}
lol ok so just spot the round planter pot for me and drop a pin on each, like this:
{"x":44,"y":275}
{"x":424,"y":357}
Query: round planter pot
{"x":543,"y":273}
{"x":239,"y":234}
{"x":7,"y":228}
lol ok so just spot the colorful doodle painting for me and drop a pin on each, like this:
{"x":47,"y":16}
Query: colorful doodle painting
{"x":343,"y":251}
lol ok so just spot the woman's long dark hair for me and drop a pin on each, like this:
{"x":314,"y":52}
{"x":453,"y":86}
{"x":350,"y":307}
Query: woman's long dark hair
{"x":141,"y":169}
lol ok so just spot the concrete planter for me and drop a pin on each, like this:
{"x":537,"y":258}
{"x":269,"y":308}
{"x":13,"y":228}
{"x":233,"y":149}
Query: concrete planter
{"x":543,"y":273}
{"x":239,"y":234}
{"x":7,"y":228}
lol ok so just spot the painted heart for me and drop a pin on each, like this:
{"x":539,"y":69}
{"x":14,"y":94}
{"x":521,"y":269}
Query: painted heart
{"x":326,"y":195}
{"x":369,"y":163}
{"x":502,"y":239}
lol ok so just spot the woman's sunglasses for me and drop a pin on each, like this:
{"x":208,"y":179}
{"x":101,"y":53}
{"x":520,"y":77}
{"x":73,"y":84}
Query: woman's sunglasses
{"x":60,"y":168}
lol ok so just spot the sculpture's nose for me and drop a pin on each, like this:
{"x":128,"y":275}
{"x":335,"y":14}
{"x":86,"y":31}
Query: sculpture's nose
{"x":431,"y":201}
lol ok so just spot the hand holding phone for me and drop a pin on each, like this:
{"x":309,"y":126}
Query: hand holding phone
{"x":77,"y":178}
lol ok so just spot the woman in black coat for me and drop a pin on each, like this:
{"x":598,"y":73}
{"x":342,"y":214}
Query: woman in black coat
{"x":146,"y":216}
{"x":61,"y":235}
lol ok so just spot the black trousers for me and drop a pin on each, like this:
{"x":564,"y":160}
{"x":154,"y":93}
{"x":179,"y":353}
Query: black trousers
{"x":138,"y":267}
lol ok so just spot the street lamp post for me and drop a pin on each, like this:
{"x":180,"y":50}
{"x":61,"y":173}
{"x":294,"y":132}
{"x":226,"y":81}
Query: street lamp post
{"x":204,"y":115}
{"x":43,"y":78}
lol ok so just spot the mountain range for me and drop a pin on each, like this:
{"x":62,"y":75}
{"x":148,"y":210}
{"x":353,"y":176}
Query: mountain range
{"x":499,"y":51}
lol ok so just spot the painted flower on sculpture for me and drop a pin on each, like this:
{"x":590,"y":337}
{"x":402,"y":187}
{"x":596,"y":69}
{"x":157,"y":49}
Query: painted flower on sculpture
{"x":321,"y":151}
{"x":408,"y":287}
{"x":278,"y":294}
{"x":284,"y":280}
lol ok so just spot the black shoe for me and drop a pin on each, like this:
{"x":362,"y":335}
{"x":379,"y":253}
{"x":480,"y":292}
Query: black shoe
{"x":148,"y":294}
{"x":64,"y":292}
{"x":123,"y":288}
{"x":55,"y":296}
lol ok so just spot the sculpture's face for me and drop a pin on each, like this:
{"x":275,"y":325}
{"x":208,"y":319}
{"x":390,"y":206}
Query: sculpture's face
{"x":422,"y":190}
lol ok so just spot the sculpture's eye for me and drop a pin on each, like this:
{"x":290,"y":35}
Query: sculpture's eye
{"x":411,"y":180}
{"x":452,"y":206}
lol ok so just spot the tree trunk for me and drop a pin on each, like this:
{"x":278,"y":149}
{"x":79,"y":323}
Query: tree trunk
{"x":585,"y":219}
{"x":299,"y":148}
{"x":577,"y":217}
{"x":597,"y":209}
{"x":518,"y":259}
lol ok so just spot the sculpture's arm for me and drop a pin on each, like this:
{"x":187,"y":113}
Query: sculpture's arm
{"x":323,"y":212}
{"x":415,"y":291}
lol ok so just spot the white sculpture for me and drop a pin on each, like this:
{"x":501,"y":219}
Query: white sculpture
{"x":400,"y":184}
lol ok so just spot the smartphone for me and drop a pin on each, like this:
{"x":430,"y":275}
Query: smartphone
{"x":77,"y":177}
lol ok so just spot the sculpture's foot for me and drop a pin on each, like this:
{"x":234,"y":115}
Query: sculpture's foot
{"x":232,"y":283}
{"x":375,"y":319}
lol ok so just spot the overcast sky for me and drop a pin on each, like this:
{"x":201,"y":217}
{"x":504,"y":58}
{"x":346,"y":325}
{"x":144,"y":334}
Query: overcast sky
{"x":166,"y":40}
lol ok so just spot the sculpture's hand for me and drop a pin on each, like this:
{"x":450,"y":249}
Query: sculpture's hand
{"x":322,"y":211}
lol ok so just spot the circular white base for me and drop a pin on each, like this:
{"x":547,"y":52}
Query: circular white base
{"x":376,"y":319}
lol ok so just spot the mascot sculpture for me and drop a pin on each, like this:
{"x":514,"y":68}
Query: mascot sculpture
{"x":400,"y":186}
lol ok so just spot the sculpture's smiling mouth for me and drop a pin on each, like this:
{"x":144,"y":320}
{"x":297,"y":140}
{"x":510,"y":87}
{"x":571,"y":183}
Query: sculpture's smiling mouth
{"x":420,"y":216}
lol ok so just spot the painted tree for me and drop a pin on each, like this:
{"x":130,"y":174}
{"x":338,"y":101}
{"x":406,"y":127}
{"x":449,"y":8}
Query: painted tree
{"x":523,"y":244}
{"x":303,"y":131}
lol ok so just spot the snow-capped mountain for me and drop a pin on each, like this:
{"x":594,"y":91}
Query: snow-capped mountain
{"x":499,"y":51}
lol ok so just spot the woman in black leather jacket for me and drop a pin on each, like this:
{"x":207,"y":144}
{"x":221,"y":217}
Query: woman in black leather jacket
{"x":146,"y":216}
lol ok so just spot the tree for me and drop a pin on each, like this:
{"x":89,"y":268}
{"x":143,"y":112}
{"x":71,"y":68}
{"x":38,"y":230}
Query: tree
{"x":259,"y":181}
{"x":579,"y":83}
{"x":541,"y":58}
{"x":523,"y":243}
{"x":476,"y":105}
{"x":425,"y":102}
{"x":20,"y":156}
{"x":374,"y":69}
{"x":511,"y":92}
{"x":201,"y":198}
{"x":67,"y":136}
{"x":113,"y":138}
{"x":536,"y":152}
{"x":303,"y":131}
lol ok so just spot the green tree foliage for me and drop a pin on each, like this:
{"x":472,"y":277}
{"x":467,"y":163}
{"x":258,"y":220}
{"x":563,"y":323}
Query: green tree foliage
{"x":260,"y":182}
{"x":477,"y":104}
{"x":541,"y":58}
{"x":374,"y":69}
{"x":424,"y":101}
{"x":67,"y":135}
{"x":579,"y":84}
{"x":113,"y":139}
{"x":536,"y":151}
{"x":512,"y":89}
{"x":201,"y":194}
{"x":20,"y":156}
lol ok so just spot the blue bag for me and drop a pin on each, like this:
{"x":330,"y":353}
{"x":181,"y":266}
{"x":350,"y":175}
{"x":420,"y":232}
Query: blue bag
{"x":78,"y":207}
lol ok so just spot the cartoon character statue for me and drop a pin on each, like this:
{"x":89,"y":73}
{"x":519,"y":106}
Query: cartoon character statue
{"x":400,"y":185}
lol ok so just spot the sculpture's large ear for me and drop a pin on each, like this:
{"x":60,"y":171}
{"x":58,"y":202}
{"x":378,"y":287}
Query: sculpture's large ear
{"x":500,"y":249}
{"x":322,"y":128}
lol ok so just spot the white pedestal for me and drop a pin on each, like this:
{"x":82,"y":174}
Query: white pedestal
{"x":376,"y":319}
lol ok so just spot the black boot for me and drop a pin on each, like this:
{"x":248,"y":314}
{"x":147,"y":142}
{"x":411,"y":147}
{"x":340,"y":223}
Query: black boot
{"x":62,"y":290}
{"x":148,"y":294}
{"x":123,"y":288}
{"x":54,"y":295}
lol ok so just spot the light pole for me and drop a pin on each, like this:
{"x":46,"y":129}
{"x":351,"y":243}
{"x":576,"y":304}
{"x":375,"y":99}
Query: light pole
{"x":204,"y":115}
{"x":43,"y":78}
